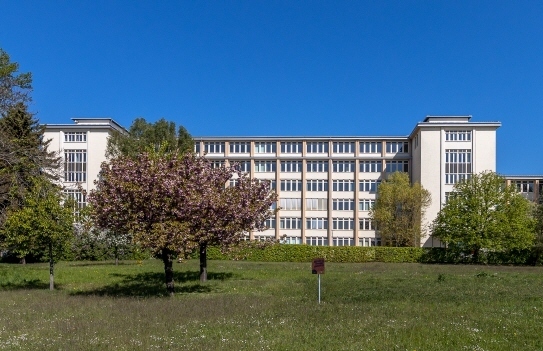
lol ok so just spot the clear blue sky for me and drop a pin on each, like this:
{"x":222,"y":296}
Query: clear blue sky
{"x":288,"y":67}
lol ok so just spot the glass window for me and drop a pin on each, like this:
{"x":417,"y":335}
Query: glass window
{"x":397,"y":166}
{"x":291,"y":147}
{"x":457,"y":135}
{"x":369,"y":185}
{"x":371,"y":147}
{"x":317,"y":147}
{"x":457,"y":165}
{"x":290,"y":204}
{"x":343,"y":147}
{"x":317,"y":166}
{"x":343,"y":185}
{"x":371,"y":166}
{"x":265,"y":166}
{"x":290,"y":223}
{"x":343,"y":166}
{"x":291,"y":166}
{"x":267,"y":147}
{"x":240,"y":147}
{"x":316,"y":204}
{"x":343,"y":223}
{"x":316,"y":223}
{"x":75,"y":137}
{"x":75,"y":165}
{"x":317,"y":185}
{"x":397,"y":147}
{"x":343,"y":204}
{"x":291,"y":185}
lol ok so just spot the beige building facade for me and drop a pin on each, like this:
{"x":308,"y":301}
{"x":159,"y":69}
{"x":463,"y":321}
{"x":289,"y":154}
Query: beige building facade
{"x":326,"y":185}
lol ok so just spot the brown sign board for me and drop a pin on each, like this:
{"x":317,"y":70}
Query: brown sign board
{"x":317,"y":267}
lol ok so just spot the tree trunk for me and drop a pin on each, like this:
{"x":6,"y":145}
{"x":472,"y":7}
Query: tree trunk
{"x":168,"y":270}
{"x":51,"y":276}
{"x":23,"y":260}
{"x":116,"y":255}
{"x":476,"y":255}
{"x":203,"y":263}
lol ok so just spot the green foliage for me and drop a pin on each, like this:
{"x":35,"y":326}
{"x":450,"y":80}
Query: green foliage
{"x":484,"y":213}
{"x":43,"y":222}
{"x":15,"y":87}
{"x":149,"y":137}
{"x":398,"y":211}
{"x":252,"y":251}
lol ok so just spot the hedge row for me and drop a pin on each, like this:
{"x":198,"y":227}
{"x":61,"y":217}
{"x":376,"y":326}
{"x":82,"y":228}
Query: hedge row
{"x":357,"y":254}
{"x":306,"y":253}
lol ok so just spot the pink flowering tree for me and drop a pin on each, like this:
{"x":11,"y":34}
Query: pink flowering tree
{"x":173,"y":203}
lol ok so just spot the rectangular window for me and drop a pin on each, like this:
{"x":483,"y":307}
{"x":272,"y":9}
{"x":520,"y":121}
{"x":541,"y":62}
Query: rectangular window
{"x":343,"y":185}
{"x":75,"y":165}
{"x":457,"y":135}
{"x":214,"y":147}
{"x":197,"y":147}
{"x":369,"y":241}
{"x":396,"y":166}
{"x":457,"y":165}
{"x":397,"y":147}
{"x":343,"y":147}
{"x":233,"y":182}
{"x":316,"y":241}
{"x":365,"y":224}
{"x":317,"y":147}
{"x":371,"y":147}
{"x":342,"y":223}
{"x":291,"y":166}
{"x":75,"y":137}
{"x":342,"y":204}
{"x":343,"y":241}
{"x":291,"y":185}
{"x":369,"y":185}
{"x":343,"y":166}
{"x":267,"y":147}
{"x":264,"y":166}
{"x":371,"y":166}
{"x":291,"y":147}
{"x":240,"y":147}
{"x":317,"y":185}
{"x":290,"y":223}
{"x":523,"y":186}
{"x":366,"y":204}
{"x":316,"y":204}
{"x":316,"y":223}
{"x":270,"y":223}
{"x":291,"y":240}
{"x":317,"y":166}
{"x":291,"y":204}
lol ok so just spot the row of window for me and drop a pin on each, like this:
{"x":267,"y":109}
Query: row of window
{"x":367,"y":185}
{"x":322,"y":240}
{"x":312,"y":147}
{"x":295,"y":204}
{"x":319,"y":166}
{"x":75,"y":137}
{"x":338,"y":223}
{"x":457,"y":165}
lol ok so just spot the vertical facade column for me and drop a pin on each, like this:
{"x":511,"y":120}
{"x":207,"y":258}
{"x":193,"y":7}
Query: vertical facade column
{"x":277,"y":188}
{"x":330,"y":199}
{"x":252,"y":175}
{"x":356,"y":193}
{"x":536,"y":191}
{"x":303,"y":193}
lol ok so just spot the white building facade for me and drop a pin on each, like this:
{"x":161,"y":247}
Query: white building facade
{"x":326,"y":185}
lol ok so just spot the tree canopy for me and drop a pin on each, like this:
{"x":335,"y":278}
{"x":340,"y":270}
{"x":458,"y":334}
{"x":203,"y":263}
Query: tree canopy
{"x":484,"y":213}
{"x":23,"y":150}
{"x":15,"y":87}
{"x":399,"y":209}
{"x":143,"y":136}
{"x":43,"y":222}
{"x":173,"y":203}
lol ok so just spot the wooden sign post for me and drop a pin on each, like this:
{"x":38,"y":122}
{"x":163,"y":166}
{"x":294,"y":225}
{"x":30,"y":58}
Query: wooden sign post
{"x":317,"y":267}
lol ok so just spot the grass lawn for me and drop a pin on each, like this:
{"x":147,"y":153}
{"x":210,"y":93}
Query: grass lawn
{"x":271,"y":306}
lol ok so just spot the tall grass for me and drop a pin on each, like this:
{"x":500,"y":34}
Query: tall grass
{"x":271,"y":306}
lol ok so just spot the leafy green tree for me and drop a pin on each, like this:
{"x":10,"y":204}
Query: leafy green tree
{"x":143,"y":136}
{"x":398,"y":210}
{"x":172,"y":203}
{"x":23,"y":150}
{"x":15,"y":87}
{"x":45,"y":221}
{"x":485,"y":213}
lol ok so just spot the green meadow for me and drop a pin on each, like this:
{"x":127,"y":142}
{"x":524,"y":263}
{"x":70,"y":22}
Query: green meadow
{"x":271,"y":306}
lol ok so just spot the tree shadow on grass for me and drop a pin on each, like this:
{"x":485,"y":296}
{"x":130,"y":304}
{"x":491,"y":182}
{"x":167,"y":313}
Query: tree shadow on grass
{"x":101,"y":263}
{"x":27,"y":284}
{"x":151,"y":284}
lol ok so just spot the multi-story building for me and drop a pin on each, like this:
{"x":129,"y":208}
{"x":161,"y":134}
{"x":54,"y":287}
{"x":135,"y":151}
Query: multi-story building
{"x":82,"y":145}
{"x":326,"y":185}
